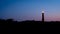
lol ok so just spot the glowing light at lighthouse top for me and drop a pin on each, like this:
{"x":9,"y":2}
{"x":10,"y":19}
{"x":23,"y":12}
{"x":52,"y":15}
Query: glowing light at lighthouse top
{"x":42,"y":11}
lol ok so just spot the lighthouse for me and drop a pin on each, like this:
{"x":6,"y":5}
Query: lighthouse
{"x":42,"y":16}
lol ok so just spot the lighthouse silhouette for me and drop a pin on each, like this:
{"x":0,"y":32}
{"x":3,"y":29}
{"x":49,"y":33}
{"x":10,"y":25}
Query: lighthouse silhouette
{"x":42,"y":16}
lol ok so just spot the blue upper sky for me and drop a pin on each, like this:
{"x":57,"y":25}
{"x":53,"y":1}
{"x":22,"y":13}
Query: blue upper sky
{"x":30,"y":9}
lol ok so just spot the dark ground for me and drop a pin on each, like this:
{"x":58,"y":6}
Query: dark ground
{"x":25,"y":26}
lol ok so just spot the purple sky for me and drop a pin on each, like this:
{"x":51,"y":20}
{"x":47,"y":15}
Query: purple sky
{"x":30,"y":9}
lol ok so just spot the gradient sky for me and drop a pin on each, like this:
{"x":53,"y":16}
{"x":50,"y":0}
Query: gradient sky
{"x":30,"y":9}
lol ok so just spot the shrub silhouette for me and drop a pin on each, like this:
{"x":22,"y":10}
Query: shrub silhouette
{"x":9,"y":20}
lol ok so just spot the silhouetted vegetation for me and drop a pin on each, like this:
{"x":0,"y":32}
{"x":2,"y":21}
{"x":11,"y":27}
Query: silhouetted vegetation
{"x":29,"y":25}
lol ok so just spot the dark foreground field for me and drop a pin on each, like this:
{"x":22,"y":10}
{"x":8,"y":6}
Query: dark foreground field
{"x":25,"y":26}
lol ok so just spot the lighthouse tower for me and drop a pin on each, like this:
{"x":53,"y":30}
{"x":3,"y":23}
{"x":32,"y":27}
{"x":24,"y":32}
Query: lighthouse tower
{"x":42,"y":16}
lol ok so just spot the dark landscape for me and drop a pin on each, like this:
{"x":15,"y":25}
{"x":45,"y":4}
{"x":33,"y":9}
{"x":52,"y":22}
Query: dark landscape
{"x":30,"y":16}
{"x":10,"y":25}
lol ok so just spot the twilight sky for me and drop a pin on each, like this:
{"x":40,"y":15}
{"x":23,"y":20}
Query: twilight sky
{"x":30,"y":9}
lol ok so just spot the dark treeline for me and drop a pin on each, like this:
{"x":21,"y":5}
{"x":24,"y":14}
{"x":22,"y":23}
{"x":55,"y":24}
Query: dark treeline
{"x":29,"y":25}
{"x":11,"y":21}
